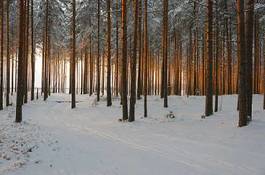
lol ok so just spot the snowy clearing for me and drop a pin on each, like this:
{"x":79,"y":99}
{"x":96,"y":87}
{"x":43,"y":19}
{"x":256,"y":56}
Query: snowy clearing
{"x":89,"y":140}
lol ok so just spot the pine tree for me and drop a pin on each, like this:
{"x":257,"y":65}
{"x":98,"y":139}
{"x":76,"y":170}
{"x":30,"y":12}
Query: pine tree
{"x":140,"y":58}
{"x":124,"y":60}
{"x":26,"y":53}
{"x":46,"y":51}
{"x":243,"y":61}
{"x":109,"y":103}
{"x":98,"y":54}
{"x":209,"y":76}
{"x":264,"y":74}
{"x":32,"y":53}
{"x":249,"y":50}
{"x":133,"y":62}
{"x":165,"y":52}
{"x":145,"y":57}
{"x":7,"y":55}
{"x":85,"y":72}
{"x":91,"y":64}
{"x":256,"y":55}
{"x":217,"y":60}
{"x":73,"y":62}
{"x":228,"y":22}
{"x":117,"y":51}
{"x":20,"y":74}
{"x":1,"y":54}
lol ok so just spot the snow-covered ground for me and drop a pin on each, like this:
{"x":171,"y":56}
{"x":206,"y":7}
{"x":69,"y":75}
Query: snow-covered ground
{"x":89,"y":140}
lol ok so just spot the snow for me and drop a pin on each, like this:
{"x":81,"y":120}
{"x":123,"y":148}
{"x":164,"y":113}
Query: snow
{"x":89,"y":140}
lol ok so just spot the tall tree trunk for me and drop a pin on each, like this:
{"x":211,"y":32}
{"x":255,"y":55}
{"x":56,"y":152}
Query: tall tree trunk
{"x":216,"y":60}
{"x":85,"y":72}
{"x":243,"y":62}
{"x":91,"y":64}
{"x":189,"y":62}
{"x":117,"y":51}
{"x":124,"y":60}
{"x":109,"y":103}
{"x":26,"y":52}
{"x":46,"y":53}
{"x":140,"y":66}
{"x":249,"y":55}
{"x":98,"y":54}
{"x":209,"y":77}
{"x":133,"y":63}
{"x":12,"y":74}
{"x":82,"y":71}
{"x":7,"y":55}
{"x":73,"y":104}
{"x":16,"y":70}
{"x":1,"y":54}
{"x":145,"y":57}
{"x":264,"y":73}
{"x":180,"y":65}
{"x":196,"y":49}
{"x":165,"y":52}
{"x":203,"y":61}
{"x":32,"y":53}
{"x":176,"y":63}
{"x":256,"y":56}
{"x":20,"y":61}
{"x":49,"y":65}
{"x":43,"y":59}
{"x":229,"y":51}
{"x":103,"y":72}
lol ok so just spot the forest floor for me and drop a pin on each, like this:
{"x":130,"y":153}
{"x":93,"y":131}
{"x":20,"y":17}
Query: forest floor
{"x":89,"y":140}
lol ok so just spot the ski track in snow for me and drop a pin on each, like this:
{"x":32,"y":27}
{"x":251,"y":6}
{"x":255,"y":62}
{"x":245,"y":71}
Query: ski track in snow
{"x":90,"y":140}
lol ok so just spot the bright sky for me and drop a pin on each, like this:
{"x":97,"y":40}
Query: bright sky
{"x":38,"y":66}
